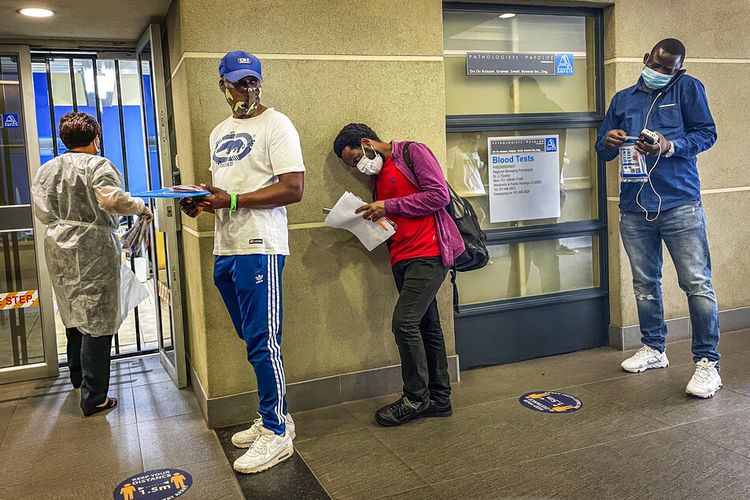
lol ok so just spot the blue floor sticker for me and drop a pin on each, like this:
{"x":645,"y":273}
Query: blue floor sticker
{"x":156,"y":484}
{"x":550,"y":402}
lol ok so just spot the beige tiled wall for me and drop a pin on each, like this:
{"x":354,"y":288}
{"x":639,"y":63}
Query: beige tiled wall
{"x":718,"y":51}
{"x":326,"y":64}
{"x":329,"y":63}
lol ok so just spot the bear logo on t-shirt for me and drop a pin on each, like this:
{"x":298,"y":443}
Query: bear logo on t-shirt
{"x":232,"y":148}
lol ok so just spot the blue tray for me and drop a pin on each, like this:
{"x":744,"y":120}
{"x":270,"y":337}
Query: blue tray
{"x":168,"y":193}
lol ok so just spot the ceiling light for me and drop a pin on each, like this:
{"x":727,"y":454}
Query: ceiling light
{"x":507,"y":15}
{"x":35,"y":12}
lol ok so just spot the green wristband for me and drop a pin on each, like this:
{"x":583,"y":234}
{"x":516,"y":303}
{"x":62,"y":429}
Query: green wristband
{"x":232,"y":202}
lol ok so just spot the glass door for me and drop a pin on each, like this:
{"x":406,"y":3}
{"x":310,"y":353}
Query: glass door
{"x":106,"y":86}
{"x":516,"y":78}
{"x":27,"y":329}
{"x":165,"y":257}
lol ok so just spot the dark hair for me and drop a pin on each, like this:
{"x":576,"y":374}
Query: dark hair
{"x":352,"y":136}
{"x":78,"y":130}
{"x":671,"y":45}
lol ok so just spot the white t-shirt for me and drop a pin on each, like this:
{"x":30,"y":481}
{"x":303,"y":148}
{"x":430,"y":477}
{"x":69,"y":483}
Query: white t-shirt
{"x":247,"y":155}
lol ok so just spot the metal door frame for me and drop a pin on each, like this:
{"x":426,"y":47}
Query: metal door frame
{"x":50,"y":367}
{"x":95,"y":57}
{"x":487,"y":333}
{"x":166,"y":217}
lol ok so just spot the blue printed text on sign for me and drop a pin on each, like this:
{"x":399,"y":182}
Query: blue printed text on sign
{"x":10,"y":121}
{"x":563,"y":64}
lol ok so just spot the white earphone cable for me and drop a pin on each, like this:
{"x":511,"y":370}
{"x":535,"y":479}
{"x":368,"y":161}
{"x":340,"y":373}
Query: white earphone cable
{"x":648,"y":176}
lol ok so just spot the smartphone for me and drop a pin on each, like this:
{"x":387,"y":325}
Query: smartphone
{"x":649,"y":137}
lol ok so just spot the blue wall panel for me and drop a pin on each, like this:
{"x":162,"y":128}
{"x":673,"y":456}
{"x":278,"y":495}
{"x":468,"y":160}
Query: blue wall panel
{"x":137,"y":175}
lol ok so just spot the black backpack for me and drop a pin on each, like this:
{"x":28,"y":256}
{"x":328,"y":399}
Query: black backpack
{"x":476,"y":255}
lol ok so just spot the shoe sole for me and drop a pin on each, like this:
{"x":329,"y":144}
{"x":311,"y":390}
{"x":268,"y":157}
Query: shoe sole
{"x":247,"y":445}
{"x":703,"y":396}
{"x":284,"y":455}
{"x":390,"y":424}
{"x":435,"y":415}
{"x":416,"y":417}
{"x":102,"y":411}
{"x":396,"y":424}
{"x":641,"y":370}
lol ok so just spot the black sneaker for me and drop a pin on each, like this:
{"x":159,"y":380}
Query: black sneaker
{"x":400,"y":412}
{"x":437,"y":410}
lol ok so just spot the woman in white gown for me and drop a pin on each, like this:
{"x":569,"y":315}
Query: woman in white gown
{"x":79,"y":196}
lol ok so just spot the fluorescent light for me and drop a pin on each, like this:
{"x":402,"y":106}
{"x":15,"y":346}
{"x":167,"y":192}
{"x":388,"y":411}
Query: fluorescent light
{"x":507,"y":15}
{"x":35,"y":12}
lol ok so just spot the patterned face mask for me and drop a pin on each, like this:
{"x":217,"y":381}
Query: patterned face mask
{"x":243,"y":104}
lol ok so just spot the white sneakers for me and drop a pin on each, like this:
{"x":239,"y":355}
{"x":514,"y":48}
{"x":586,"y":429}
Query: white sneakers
{"x":264,"y":447}
{"x":706,"y":380}
{"x":644,"y":359}
{"x":704,"y":384}
{"x":244,"y":439}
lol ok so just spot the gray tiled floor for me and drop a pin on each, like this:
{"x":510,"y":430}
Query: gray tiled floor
{"x":636,"y":436}
{"x":48,"y":451}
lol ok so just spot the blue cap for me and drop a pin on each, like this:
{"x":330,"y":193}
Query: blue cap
{"x":238,"y":64}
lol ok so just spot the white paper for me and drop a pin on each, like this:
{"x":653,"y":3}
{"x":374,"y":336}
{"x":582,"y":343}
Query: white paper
{"x":370,"y":233}
{"x":524,"y":177}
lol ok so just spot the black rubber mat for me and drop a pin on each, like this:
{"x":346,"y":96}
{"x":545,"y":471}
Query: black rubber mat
{"x":289,"y":479}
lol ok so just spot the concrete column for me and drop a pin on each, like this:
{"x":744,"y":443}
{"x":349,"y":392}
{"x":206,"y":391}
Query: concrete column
{"x":325,"y":64}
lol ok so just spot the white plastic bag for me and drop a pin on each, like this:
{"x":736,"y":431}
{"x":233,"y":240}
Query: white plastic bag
{"x":137,"y":236}
{"x":132,"y":291}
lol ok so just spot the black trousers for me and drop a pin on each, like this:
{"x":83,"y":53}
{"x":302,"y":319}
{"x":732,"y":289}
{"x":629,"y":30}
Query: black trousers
{"x":88,"y":361}
{"x":416,"y":326}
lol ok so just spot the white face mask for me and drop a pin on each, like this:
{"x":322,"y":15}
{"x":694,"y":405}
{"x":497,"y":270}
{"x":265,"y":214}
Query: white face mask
{"x":370,"y":166}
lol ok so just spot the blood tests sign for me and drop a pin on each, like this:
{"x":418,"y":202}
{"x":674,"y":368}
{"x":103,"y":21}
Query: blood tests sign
{"x":19,"y":300}
{"x":524,"y":177}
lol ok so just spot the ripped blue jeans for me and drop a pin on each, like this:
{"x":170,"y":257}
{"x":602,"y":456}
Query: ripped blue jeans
{"x":683,"y":230}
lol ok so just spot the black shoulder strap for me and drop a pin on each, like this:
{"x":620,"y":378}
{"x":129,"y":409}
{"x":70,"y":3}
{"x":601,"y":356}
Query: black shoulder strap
{"x":456,"y":301}
{"x":407,"y":156}
{"x":407,"y":160}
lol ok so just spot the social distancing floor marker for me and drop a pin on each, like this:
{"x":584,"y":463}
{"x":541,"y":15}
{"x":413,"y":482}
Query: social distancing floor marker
{"x":550,"y":402}
{"x":155,"y":484}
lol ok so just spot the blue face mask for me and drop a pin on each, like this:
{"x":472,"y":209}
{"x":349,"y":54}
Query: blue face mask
{"x":653,"y":79}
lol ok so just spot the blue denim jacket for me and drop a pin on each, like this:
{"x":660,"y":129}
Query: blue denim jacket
{"x":681,"y":114}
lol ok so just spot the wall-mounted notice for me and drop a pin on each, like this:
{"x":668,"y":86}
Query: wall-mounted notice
{"x":518,"y":64}
{"x":19,"y":300}
{"x":524,"y":177}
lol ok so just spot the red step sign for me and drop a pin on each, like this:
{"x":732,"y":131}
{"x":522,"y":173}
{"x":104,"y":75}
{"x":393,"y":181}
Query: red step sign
{"x":19,"y":300}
